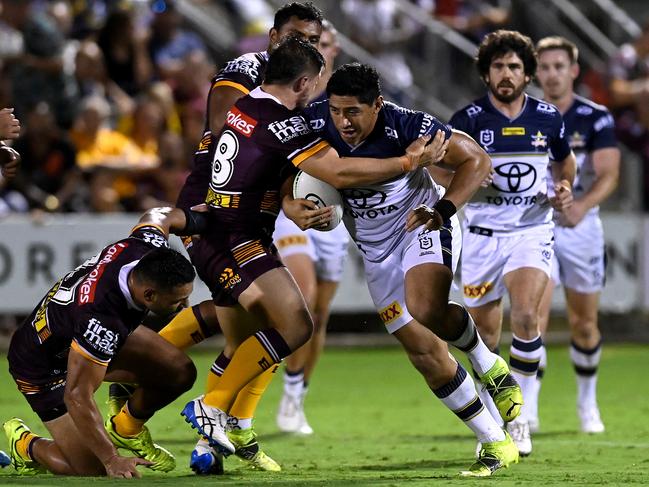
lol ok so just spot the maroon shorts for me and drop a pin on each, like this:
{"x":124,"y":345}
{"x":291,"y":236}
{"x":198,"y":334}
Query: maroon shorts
{"x":230,"y":264}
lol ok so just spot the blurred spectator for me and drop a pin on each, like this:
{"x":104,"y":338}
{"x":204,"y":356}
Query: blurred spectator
{"x":92,"y":79}
{"x":49,"y":177}
{"x":256,"y":18}
{"x":379,"y":27}
{"x":474,"y":18}
{"x":111,"y":160}
{"x":36,"y":72}
{"x":125,"y":52}
{"x":170,"y":45}
{"x":629,"y":98}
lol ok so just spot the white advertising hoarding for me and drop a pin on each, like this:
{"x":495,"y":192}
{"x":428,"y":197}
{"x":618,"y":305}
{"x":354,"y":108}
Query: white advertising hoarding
{"x":34,"y":254}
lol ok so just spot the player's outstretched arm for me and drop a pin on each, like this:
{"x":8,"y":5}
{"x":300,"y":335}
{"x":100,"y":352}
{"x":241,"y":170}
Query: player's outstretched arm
{"x":348,"y":172}
{"x":83,"y":379}
{"x":175,"y":220}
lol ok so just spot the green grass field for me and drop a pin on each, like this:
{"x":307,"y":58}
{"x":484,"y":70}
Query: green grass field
{"x":377,"y":423}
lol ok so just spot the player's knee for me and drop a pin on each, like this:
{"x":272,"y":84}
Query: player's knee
{"x":184,"y":375}
{"x":585,"y":331}
{"x":431,"y":315}
{"x":525,"y":322}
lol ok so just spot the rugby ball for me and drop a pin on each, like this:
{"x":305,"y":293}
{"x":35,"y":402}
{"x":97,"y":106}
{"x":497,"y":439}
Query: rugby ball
{"x":322,"y":194}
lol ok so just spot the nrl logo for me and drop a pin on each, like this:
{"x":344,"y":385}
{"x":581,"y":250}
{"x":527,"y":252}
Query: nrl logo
{"x":486,"y":138}
{"x":539,"y":140}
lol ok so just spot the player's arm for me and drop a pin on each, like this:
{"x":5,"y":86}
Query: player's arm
{"x":223,"y":97}
{"x":175,"y":220}
{"x":471,"y":166}
{"x":83,"y":379}
{"x":348,"y":172}
{"x":9,"y":161}
{"x":606,"y":163}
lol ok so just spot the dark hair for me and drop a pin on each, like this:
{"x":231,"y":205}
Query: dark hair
{"x":303,"y":11}
{"x":557,"y":42}
{"x":499,"y":43}
{"x":354,"y":79}
{"x":292,"y":58}
{"x":164,"y":268}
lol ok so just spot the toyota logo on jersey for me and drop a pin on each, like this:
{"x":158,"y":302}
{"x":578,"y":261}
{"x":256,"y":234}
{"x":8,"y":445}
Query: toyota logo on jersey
{"x":514,"y":177}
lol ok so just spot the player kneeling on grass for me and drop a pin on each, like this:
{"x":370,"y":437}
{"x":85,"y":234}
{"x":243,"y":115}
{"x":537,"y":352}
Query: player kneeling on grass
{"x":85,"y":331}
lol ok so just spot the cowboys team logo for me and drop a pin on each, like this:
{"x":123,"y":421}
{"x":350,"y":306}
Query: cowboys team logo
{"x":514,"y":177}
{"x":486,"y":138}
{"x":539,"y":140}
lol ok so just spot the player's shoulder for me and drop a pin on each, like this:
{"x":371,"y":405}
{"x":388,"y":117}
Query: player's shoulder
{"x":402,"y":118}
{"x":317,"y":114}
{"x":251,"y":64}
{"x":475,"y":109}
{"x":588,"y":108}
{"x":541,"y":108}
{"x":148,"y":234}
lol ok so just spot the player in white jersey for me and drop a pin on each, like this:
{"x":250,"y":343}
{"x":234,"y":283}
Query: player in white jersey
{"x":508,"y":247}
{"x":409,"y":269}
{"x":316,"y":261}
{"x":579,"y":257}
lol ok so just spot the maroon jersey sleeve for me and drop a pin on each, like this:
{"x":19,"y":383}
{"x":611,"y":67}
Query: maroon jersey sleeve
{"x":243,"y":73}
{"x":98,"y":337}
{"x":293,"y":138}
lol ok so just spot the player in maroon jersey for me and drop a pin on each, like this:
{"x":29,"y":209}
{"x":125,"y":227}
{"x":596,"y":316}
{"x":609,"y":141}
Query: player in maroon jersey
{"x":86,"y":331}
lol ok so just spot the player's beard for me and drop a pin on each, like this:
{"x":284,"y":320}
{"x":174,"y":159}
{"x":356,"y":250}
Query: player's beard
{"x":515,"y":92}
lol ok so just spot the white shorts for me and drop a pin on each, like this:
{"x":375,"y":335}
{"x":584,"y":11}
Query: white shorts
{"x":386,"y":279}
{"x":579,"y":257}
{"x":328,"y":250}
{"x":486,"y":259}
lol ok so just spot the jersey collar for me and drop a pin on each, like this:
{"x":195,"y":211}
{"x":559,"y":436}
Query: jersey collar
{"x":123,"y":284}
{"x":520,"y":114}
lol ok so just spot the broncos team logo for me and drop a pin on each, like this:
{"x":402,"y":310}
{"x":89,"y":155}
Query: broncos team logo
{"x":514,"y":177}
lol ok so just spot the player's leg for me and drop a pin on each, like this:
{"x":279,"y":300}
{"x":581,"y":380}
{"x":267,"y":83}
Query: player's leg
{"x":275,"y":300}
{"x":585,"y":353}
{"x":189,"y":327}
{"x":163,"y":373}
{"x":526,"y":286}
{"x":290,"y":412}
{"x":450,"y":382}
{"x":544,"y":320}
{"x":583,"y":250}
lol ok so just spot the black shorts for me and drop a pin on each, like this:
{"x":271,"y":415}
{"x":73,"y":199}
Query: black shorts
{"x":44,"y":397}
{"x":229,"y":266}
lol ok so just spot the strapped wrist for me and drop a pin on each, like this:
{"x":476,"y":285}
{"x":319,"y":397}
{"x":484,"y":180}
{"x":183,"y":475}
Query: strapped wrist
{"x":446,"y":208}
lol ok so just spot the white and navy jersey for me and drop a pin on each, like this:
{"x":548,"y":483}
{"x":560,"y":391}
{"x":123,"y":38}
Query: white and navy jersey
{"x":375,"y":215}
{"x":520,"y":150}
{"x":589,"y":127}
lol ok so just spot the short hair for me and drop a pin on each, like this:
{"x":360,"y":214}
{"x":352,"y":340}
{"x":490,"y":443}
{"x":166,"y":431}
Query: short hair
{"x":164,"y":268}
{"x":499,"y":43}
{"x":303,"y":11}
{"x":328,"y":26}
{"x":355,"y":79}
{"x":290,"y":59}
{"x":561,"y":43}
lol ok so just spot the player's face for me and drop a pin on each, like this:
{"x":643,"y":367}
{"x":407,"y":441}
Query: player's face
{"x":506,"y":78}
{"x":328,"y":47}
{"x":165,"y":302}
{"x":304,"y":29}
{"x":354,"y":120}
{"x":556,"y":73}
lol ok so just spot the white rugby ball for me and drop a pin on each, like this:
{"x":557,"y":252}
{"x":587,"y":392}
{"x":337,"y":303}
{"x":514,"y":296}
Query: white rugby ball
{"x":322,"y":194}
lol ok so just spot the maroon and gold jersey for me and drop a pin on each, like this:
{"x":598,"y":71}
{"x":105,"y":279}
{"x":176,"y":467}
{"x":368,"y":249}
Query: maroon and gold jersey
{"x":261,"y":144}
{"x":90,"y":310}
{"x":244,"y":73}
